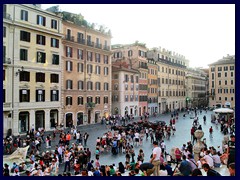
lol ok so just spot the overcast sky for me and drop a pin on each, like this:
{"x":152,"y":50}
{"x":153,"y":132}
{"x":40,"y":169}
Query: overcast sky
{"x":203,"y":33}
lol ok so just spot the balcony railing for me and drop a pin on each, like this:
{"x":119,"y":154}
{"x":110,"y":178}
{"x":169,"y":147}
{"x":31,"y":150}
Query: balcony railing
{"x":6,"y":60}
{"x":144,"y":67}
{"x":90,"y":43}
{"x":69,"y":38}
{"x":7,"y":16}
{"x":81,"y":41}
{"x":107,"y":48}
{"x":99,"y":46}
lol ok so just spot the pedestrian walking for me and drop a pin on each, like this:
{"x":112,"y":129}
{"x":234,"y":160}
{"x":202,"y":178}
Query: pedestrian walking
{"x":155,"y":160}
{"x":211,"y":132}
{"x":85,"y":138}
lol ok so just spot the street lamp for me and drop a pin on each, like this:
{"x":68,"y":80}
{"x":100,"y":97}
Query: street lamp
{"x":19,"y":71}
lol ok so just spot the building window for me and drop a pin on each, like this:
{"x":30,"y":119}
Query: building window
{"x":41,"y":20}
{"x":231,"y":68}
{"x":68,"y":51}
{"x":126,"y":87}
{"x":136,"y":98}
{"x":219,"y":74}
{"x":80,"y":38}
{"x":80,"y":85}
{"x":80,"y":100}
{"x":137,"y":87}
{"x":231,"y":82}
{"x":231,"y":98}
{"x":212,"y":69}
{"x":69,"y":84}
{"x":219,"y":83}
{"x":89,"y":56}
{"x":97,"y":100}
{"x":40,"y":77}
{"x":231,"y":74}
{"x":126,"y":78}
{"x":24,"y":15}
{"x":89,"y":69}
{"x":4,"y":31}
{"x":105,"y":71}
{"x":40,"y":95}
{"x":105,"y":59}
{"x":54,"y":43}
{"x":41,"y":39}
{"x":55,"y":59}
{"x":53,"y":24}
{"x":225,"y":68}
{"x":225,"y":98}
{"x":225,"y":82}
{"x":105,"y":86}
{"x":97,"y":69}
{"x":54,"y":95}
{"x":68,"y":100}
{"x":126,"y":98}
{"x":89,"y":99}
{"x":97,"y":58}
{"x":220,"y":98}
{"x":80,"y":54}
{"x":219,"y":68}
{"x":89,"y":85}
{"x":24,"y":76}
{"x":24,"y":95}
{"x":23,"y":54}
{"x":41,"y":57}
{"x":98,"y":86}
{"x":4,"y":95}
{"x":80,"y":67}
{"x":105,"y":100}
{"x":69,"y":65}
{"x":25,"y":36}
{"x":54,"y":78}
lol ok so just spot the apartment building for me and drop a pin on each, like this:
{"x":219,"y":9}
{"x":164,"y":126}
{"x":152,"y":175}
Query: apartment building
{"x":135,"y":55}
{"x":125,"y":87}
{"x":31,"y":68}
{"x":86,"y":74}
{"x":171,"y":79}
{"x":196,"y":89}
{"x":152,"y":87}
{"x":222,"y":82}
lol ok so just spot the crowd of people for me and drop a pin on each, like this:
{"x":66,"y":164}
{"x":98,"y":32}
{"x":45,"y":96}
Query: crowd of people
{"x":73,"y":154}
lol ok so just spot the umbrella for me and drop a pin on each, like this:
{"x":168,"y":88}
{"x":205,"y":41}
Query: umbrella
{"x":223,"y":110}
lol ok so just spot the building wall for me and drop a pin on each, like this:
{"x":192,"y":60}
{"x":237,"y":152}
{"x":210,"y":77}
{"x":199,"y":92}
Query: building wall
{"x":22,"y":124}
{"x":88,"y":116}
{"x":222,"y":82}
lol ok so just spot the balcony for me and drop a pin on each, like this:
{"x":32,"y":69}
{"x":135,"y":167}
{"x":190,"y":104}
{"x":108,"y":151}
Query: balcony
{"x":90,"y":43}
{"x":6,"y":60}
{"x":144,"y":67}
{"x":7,"y":16}
{"x":81,"y":41}
{"x":69,"y":38}
{"x":99,"y":46}
{"x":107,"y":48}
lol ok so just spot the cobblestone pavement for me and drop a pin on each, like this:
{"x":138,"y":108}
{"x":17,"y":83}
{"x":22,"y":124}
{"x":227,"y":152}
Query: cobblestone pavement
{"x":182,"y":135}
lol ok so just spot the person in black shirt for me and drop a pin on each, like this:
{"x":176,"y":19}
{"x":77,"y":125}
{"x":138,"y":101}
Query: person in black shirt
{"x":209,"y":171}
{"x":148,"y":167}
{"x":6,"y":170}
{"x":231,"y":150}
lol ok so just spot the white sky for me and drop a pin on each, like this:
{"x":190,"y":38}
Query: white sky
{"x":203,"y":33}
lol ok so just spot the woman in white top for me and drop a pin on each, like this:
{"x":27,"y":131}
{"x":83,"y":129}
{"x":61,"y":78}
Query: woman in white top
{"x":137,"y":138}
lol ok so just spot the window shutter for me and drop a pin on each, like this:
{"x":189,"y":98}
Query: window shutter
{"x":43,"y":94}
{"x":70,"y":100}
{"x":38,"y":19}
{"x":44,"y":57}
{"x":71,"y":66}
{"x":44,"y":21}
{"x":66,"y":101}
{"x":21,"y":14}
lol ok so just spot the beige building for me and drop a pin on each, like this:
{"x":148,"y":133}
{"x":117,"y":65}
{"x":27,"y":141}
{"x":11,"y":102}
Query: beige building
{"x":87,"y":75}
{"x":171,"y":79}
{"x":32,"y":68}
{"x":125,"y":87}
{"x":222,"y":82}
{"x":135,"y":55}
{"x":196,"y":89}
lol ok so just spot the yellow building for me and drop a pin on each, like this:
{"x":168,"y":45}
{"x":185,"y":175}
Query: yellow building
{"x":87,"y":71}
{"x":222,"y":82}
{"x":152,"y":87}
{"x":171,"y":79}
{"x":32,"y":84}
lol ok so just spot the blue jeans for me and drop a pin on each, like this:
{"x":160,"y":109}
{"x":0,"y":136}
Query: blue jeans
{"x":67,"y":164}
{"x":217,"y":165}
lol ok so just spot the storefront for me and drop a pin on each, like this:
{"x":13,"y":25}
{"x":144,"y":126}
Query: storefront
{"x":23,"y":122}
